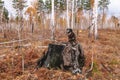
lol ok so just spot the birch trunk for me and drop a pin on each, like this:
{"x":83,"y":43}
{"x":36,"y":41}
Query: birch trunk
{"x":1,"y":16}
{"x":72,"y":22}
{"x":53,"y":23}
{"x":103,"y":19}
{"x":19,"y":36}
{"x":3,"y":23}
{"x":68,"y":26}
{"x":93,"y":27}
{"x":1,"y":19}
{"x":95,"y":17}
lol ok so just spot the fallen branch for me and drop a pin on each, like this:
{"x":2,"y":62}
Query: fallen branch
{"x":42,"y":46}
{"x":1,"y":56}
{"x":91,"y":67}
{"x":1,"y":36}
{"x":26,"y":45}
{"x":12,"y":41}
{"x":6,"y":46}
{"x":106,"y":68}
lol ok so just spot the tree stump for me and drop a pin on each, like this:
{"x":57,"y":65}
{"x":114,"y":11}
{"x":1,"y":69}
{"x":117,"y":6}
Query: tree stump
{"x":60,"y":56}
{"x":53,"y":57}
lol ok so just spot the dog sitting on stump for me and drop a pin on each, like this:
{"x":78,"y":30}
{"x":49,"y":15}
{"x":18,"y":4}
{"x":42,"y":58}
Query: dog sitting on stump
{"x":73,"y":55}
{"x":70,"y":56}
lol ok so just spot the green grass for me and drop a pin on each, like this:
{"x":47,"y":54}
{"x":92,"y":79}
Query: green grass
{"x":114,"y":62}
{"x":96,"y":70}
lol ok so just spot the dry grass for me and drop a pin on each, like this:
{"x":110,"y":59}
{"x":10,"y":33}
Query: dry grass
{"x":106,"y":57}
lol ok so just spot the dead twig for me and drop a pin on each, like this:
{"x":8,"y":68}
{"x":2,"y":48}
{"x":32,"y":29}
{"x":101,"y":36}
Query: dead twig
{"x":106,"y":68}
{"x":91,"y":67}
{"x":13,"y":41}
{"x":42,"y":46}
{"x":1,"y":56}
{"x":92,"y":62}
{"x":26,"y":45}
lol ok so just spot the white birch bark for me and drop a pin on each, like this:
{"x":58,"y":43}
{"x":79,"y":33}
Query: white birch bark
{"x":44,"y":1}
{"x":19,"y":37}
{"x":67,"y":12}
{"x":95,"y":19}
{"x":72,"y":22}
{"x":53,"y":21}
{"x":1,"y":15}
{"x":93,"y":27}
{"x":1,"y":20}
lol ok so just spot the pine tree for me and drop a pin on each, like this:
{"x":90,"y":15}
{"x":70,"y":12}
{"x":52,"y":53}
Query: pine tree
{"x":5,"y":15}
{"x":19,"y":6}
{"x":44,"y":6}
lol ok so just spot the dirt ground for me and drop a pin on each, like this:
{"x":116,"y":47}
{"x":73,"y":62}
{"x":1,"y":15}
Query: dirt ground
{"x":105,"y":51}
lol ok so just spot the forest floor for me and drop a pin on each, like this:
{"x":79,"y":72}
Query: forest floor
{"x":105,"y":51}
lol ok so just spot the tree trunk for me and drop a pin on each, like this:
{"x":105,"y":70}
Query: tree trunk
{"x":4,"y":30}
{"x":52,"y":58}
{"x":32,"y":27}
{"x":19,"y":36}
{"x":102,"y":18}
{"x":64,"y":57}
{"x":72,"y":22}
{"x":68,"y":26}
{"x":91,"y":30}
{"x":53,"y":22}
{"x":4,"y":26}
{"x":95,"y":23}
{"x":94,"y":27}
{"x":91,"y":27}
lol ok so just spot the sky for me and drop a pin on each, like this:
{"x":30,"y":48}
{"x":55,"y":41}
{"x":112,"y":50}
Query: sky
{"x":113,"y":8}
{"x":8,"y":6}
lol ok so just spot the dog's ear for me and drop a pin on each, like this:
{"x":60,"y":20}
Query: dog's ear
{"x":69,"y":30}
